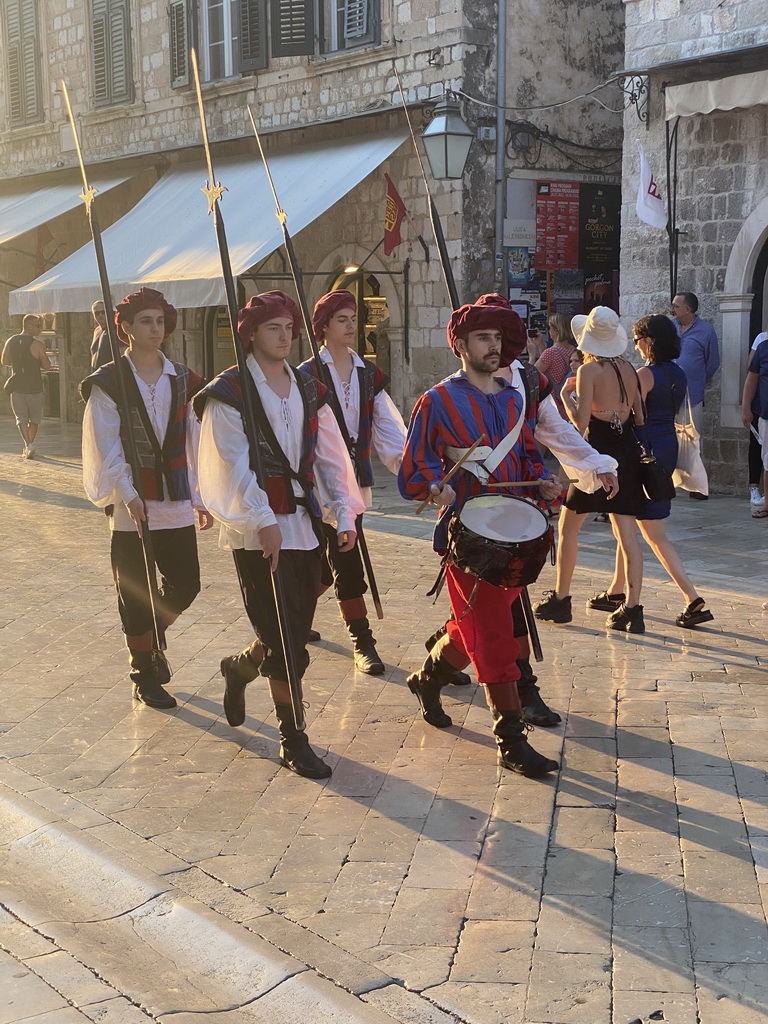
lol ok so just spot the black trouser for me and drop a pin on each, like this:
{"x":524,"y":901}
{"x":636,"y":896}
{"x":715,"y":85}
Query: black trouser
{"x":300,"y":577}
{"x":175,"y":554}
{"x":343,"y":569}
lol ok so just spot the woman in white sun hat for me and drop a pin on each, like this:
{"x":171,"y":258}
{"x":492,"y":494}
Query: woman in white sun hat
{"x":603,"y":402}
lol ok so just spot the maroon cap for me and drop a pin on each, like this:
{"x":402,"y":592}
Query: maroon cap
{"x":144,"y":298}
{"x":328,"y":307}
{"x":490,"y":312}
{"x":264,"y":307}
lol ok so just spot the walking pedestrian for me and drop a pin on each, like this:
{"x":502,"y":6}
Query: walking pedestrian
{"x":372,"y":420}
{"x":159,"y":396}
{"x":26,"y":354}
{"x":276,"y":520}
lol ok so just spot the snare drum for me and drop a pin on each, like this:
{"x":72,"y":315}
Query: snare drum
{"x":502,"y":539}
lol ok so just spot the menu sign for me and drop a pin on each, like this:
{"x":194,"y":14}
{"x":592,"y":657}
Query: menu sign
{"x":557,"y":224}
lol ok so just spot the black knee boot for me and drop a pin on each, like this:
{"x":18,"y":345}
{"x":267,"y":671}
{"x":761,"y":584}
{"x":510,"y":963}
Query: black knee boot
{"x":515,"y":752}
{"x":366,"y":658}
{"x":239,"y":670}
{"x":535,"y":711}
{"x":452,"y":676}
{"x":426,"y":685}
{"x":146,"y":675}
{"x":295,"y":751}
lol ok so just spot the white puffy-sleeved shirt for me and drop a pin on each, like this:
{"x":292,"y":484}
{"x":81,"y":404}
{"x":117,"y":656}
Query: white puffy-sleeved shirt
{"x":388,"y":428}
{"x":229,"y":486}
{"x":107,"y":476}
{"x":581,"y":460}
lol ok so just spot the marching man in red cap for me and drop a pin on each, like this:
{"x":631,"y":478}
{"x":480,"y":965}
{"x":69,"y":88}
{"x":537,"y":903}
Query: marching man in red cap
{"x":167,"y":434}
{"x":371,"y":419}
{"x":446,"y":421}
{"x":306,"y":466}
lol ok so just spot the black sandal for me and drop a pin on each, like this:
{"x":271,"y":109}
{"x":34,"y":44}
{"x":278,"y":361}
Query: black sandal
{"x":694,"y":615}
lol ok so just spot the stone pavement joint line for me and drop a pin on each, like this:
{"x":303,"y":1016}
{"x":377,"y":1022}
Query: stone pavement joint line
{"x":419,"y":883}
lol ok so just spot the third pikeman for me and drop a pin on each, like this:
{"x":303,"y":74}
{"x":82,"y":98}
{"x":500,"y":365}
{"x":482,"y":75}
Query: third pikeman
{"x":372,"y":420}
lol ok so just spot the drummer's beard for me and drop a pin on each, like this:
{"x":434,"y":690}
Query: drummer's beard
{"x":489,"y":363}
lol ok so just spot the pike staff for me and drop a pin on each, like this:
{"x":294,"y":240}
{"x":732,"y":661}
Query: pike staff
{"x":214,"y":191}
{"x":437,"y":227}
{"x":88,"y":195}
{"x":323,"y":371}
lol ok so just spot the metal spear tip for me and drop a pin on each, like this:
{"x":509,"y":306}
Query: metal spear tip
{"x":88,"y":195}
{"x":214,"y":193}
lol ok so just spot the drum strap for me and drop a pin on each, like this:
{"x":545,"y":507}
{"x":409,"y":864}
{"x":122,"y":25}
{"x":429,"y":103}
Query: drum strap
{"x":484,"y":461}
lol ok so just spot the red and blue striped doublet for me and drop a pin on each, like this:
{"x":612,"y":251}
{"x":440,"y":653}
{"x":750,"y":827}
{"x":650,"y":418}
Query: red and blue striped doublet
{"x":455,"y":413}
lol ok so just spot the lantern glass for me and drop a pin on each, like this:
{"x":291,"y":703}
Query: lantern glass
{"x":447,"y":139}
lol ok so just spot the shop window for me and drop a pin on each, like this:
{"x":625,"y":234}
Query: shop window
{"x":23,"y":65}
{"x":111,"y":52}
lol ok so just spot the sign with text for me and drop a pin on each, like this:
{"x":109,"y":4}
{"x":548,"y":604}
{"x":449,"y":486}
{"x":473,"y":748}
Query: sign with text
{"x":557,"y":224}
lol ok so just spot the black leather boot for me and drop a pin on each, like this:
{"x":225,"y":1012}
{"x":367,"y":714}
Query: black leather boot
{"x":451,"y":675}
{"x":366,"y":658}
{"x":163,"y":668}
{"x":238,"y":670}
{"x":515,"y":752}
{"x":295,"y":751}
{"x":145,"y":676}
{"x":535,"y":711}
{"x":426,"y":685}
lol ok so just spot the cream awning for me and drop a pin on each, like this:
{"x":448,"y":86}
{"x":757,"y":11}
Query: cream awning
{"x":23,"y":208}
{"x":729,"y":93}
{"x":167,"y":240}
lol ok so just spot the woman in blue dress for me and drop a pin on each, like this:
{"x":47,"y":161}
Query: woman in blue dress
{"x":662,"y":386}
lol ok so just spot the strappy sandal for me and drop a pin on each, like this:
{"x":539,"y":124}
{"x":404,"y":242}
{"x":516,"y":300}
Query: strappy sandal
{"x":694,"y":614}
{"x":760,"y":513}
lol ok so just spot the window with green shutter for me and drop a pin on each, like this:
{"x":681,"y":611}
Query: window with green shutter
{"x":111,"y":52}
{"x":348,"y":24}
{"x":25,"y":94}
{"x":293,"y":27}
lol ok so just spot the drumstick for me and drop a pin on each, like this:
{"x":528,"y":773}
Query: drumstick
{"x":527,"y":483}
{"x":451,"y":472}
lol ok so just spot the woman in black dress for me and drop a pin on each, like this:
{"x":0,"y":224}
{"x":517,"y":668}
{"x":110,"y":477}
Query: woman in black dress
{"x":606,"y":409}
{"x":662,"y":385}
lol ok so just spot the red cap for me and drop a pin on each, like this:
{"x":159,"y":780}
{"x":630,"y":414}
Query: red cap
{"x":264,"y":307}
{"x":328,"y":307}
{"x":491,"y":311}
{"x":144,"y":298}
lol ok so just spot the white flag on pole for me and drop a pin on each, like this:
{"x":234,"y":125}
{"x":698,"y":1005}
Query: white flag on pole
{"x":650,"y":206}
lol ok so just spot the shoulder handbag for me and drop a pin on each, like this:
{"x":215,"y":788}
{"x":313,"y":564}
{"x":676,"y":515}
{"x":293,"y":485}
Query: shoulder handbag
{"x":690,"y":473}
{"x":656,"y":480}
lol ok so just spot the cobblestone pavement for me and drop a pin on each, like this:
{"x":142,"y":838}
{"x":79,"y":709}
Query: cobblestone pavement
{"x":162,"y":863}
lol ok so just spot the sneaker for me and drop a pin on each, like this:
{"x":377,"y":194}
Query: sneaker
{"x":755,"y":497}
{"x":605,"y":602}
{"x":698,"y":496}
{"x":31,"y":451}
{"x":25,"y":453}
{"x":553,"y":608}
{"x":629,"y":620}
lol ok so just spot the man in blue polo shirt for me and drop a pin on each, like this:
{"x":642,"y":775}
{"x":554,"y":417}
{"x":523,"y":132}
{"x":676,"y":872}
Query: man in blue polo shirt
{"x":699,"y":355}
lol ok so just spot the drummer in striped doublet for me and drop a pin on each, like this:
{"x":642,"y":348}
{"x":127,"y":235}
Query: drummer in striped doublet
{"x":480,"y":529}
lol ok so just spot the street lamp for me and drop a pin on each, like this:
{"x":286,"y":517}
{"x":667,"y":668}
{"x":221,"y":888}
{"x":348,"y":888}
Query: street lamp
{"x":447,"y":139}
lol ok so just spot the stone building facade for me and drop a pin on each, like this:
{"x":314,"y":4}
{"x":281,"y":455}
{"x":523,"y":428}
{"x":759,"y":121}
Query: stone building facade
{"x":722,"y":191}
{"x":312,"y":72}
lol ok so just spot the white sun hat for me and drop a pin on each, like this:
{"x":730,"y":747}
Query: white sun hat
{"x":600,"y":333}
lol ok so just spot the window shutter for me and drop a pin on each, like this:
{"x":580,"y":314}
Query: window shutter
{"x":355,"y":19}
{"x":111,"y":51}
{"x":24,"y":85}
{"x":293,"y":27}
{"x":253,"y":35}
{"x":180,"y":42}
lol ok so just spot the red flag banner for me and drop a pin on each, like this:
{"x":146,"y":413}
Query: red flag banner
{"x":393,"y":218}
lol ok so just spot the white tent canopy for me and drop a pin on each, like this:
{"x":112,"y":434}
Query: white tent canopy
{"x":729,"y":93}
{"x":167,"y":240}
{"x":23,"y":208}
